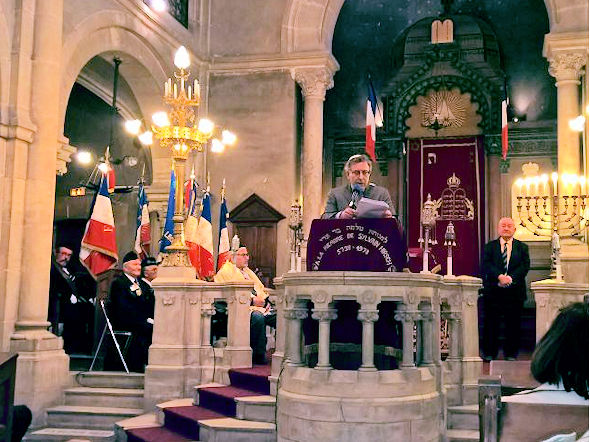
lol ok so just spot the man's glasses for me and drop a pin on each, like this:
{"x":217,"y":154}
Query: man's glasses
{"x":360,"y":172}
{"x":242,"y":254}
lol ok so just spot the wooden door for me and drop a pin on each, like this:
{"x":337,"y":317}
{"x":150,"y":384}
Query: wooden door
{"x":255,"y":223}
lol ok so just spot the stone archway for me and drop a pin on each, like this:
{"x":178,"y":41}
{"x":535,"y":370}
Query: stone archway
{"x":145,"y":68}
{"x":567,"y":15}
{"x":309,"y":25}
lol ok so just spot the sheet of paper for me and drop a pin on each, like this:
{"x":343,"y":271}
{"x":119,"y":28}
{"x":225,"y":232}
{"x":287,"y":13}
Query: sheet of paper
{"x":368,"y":208}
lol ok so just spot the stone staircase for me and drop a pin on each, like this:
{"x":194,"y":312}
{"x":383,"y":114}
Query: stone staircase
{"x":241,"y":411}
{"x":463,"y":423}
{"x":92,"y":406}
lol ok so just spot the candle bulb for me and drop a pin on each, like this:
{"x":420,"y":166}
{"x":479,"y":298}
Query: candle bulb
{"x":554,"y":180}
{"x":189,"y":92}
{"x":197,"y":88}
{"x":175,"y":91}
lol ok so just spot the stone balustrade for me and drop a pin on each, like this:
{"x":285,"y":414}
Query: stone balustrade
{"x":181,"y":355}
{"x":319,"y":402}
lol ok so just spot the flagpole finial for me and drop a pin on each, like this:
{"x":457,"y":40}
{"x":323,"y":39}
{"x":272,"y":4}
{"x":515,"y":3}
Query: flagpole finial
{"x":193,"y":173}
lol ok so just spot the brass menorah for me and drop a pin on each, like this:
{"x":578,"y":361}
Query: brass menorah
{"x":542,"y":210}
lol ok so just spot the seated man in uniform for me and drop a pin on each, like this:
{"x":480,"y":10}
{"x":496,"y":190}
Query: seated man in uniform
{"x":130,"y":309}
{"x":342,"y":200}
{"x":261,"y":314}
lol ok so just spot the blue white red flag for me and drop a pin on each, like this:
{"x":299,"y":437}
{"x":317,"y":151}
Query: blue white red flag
{"x":143,"y":231}
{"x":224,"y":249}
{"x":168,"y":233}
{"x":98,"y":251}
{"x":371,"y":132}
{"x":203,"y":239}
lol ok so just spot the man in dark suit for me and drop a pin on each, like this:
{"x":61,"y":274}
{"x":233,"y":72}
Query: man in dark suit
{"x":129,"y":310}
{"x":505,"y":265}
{"x":71,"y":308}
{"x":342,"y":200}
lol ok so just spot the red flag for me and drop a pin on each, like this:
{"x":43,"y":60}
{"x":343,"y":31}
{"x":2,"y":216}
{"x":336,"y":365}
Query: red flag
{"x":504,"y":129}
{"x":98,"y":251}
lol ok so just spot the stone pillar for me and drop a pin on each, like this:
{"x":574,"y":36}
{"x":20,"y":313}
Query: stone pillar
{"x":278,"y":357}
{"x":324,"y":317}
{"x":42,"y":366}
{"x":566,"y":67}
{"x":207,"y":310}
{"x":426,"y":317}
{"x":294,"y":316}
{"x":368,"y":318}
{"x":314,"y":82}
{"x":238,"y":326}
{"x":406,"y":317}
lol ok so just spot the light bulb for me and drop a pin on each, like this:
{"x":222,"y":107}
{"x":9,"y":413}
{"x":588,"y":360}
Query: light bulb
{"x":133,"y":126}
{"x":159,"y":5}
{"x":84,"y":157}
{"x":181,"y":58}
{"x":160,"y":119}
{"x":217,"y":146}
{"x":228,"y":138}
{"x":544,"y":178}
{"x":103,"y":167}
{"x":205,"y":126}
{"x":146,"y":138}
{"x":577,"y":124}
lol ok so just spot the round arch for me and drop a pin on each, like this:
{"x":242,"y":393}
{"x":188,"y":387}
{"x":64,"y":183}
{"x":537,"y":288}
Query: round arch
{"x":567,"y":15}
{"x":309,"y":26}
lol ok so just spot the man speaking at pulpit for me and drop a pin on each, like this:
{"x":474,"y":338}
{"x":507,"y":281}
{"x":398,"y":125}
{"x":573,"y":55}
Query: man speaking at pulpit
{"x":342,"y":201}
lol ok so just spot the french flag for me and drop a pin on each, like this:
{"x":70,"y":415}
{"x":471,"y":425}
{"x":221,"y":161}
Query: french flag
{"x":204,"y":241}
{"x":98,"y":251}
{"x":191,"y":227}
{"x":143,"y":232}
{"x":504,"y":129}
{"x":190,"y":193}
{"x":223,"y":253}
{"x":371,"y":132}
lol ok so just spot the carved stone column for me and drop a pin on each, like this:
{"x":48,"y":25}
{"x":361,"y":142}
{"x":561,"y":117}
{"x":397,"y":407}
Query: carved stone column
{"x":294,"y":316}
{"x":407,"y":319}
{"x":566,"y":67}
{"x":368,"y":318}
{"x":42,"y":366}
{"x":314,"y":82}
{"x":426,"y":318}
{"x":207,"y":311}
{"x":454,"y":321}
{"x":324,"y":316}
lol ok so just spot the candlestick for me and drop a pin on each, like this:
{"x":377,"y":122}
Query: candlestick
{"x":554,"y":180}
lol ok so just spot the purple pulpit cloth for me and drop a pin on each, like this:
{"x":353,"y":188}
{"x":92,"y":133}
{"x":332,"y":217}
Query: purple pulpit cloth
{"x":370,"y":245}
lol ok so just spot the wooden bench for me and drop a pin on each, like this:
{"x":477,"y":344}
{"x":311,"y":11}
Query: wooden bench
{"x":504,"y":421}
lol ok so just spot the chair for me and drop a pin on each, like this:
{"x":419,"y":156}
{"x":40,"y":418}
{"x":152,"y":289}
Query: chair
{"x":114,"y":334}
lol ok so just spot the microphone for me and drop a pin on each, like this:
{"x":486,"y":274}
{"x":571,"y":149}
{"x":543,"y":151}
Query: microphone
{"x":357,"y":189}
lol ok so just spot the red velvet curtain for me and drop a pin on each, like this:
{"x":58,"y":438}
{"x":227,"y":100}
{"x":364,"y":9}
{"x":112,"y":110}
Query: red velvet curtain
{"x":451,"y":170}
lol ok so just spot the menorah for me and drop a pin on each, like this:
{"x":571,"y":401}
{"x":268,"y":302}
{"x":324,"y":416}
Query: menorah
{"x":558,"y":205}
{"x":553,"y":208}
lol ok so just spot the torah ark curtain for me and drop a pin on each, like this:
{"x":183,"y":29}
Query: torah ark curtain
{"x":452,"y":172}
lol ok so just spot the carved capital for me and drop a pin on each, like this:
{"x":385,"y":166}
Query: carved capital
{"x":451,"y":315}
{"x":295,"y":313}
{"x":319,"y":298}
{"x":324,"y":315}
{"x":193,"y":300}
{"x":368,"y":315}
{"x":168,"y":300}
{"x":406,"y":315}
{"x":567,"y":66}
{"x":64,"y":153}
{"x":207,"y":311}
{"x":314,"y":82}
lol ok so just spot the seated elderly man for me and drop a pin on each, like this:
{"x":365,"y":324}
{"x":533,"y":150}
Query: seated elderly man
{"x":261,"y":314}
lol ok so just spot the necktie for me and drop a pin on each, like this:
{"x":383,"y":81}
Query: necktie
{"x":505,"y":256}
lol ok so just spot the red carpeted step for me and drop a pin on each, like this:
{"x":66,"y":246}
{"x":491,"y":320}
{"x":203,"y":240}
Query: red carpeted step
{"x":154,"y":434}
{"x":184,"y":420}
{"x":254,"y":379}
{"x":222,"y":399}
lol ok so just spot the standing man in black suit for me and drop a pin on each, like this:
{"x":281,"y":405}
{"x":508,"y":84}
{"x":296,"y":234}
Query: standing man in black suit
{"x":505,"y":265}
{"x":129,"y":310}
